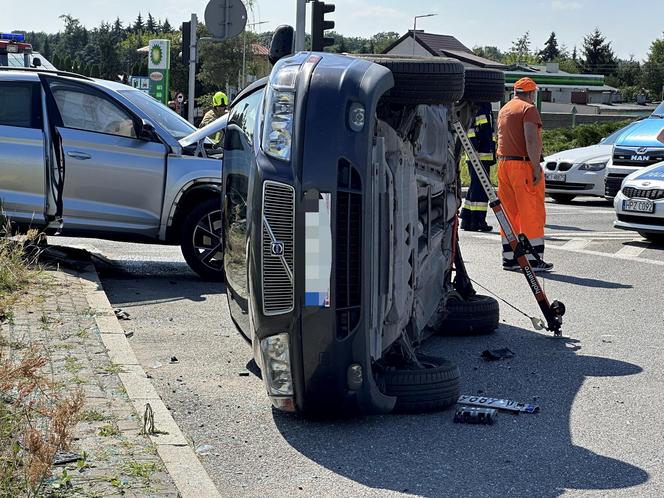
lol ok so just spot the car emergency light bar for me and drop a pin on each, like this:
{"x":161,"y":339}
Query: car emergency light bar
{"x":17,"y":37}
{"x":553,"y":312}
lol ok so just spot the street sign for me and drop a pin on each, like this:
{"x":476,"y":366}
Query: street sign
{"x":225,"y":18}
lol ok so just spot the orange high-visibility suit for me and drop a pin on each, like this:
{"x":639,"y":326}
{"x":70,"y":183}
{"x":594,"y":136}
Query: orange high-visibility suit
{"x":522,"y":200}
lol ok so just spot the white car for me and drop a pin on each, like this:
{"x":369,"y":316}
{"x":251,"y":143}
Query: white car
{"x":579,"y":171}
{"x":640,"y":203}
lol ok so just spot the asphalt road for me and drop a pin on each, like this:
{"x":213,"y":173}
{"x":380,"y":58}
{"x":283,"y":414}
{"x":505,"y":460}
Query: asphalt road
{"x":600,"y":431}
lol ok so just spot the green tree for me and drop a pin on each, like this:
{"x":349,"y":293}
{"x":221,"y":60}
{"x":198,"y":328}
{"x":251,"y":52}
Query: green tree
{"x":550,"y":52}
{"x":139,"y":25}
{"x":383,"y":40}
{"x":653,"y":69}
{"x":46,"y":48}
{"x":598,"y":54}
{"x":520,"y":52}
{"x":489,"y":52}
{"x":166,"y":27}
{"x":150,"y":25}
{"x":66,"y":63}
{"x":57,"y":62}
{"x":95,"y":72}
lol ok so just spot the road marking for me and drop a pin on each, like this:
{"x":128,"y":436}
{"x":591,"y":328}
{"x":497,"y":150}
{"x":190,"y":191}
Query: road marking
{"x":631,"y":251}
{"x":576,"y":212}
{"x":593,"y":235}
{"x":576,"y":244}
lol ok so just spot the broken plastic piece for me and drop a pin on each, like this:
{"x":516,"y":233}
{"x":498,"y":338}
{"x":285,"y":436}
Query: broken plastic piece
{"x":499,"y":404}
{"x":475,"y":415}
{"x":538,"y":323}
{"x":497,"y":354}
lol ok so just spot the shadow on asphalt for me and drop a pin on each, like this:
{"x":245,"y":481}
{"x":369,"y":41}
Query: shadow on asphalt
{"x":155,"y":281}
{"x":584,"y":282}
{"x":523,"y":455}
{"x":566,"y":228}
{"x":585,"y":202}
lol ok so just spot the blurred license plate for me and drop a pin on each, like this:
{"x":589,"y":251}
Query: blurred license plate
{"x":556,"y":177}
{"x":639,"y":205}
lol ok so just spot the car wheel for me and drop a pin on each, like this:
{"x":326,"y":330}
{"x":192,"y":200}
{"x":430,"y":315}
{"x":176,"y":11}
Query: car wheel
{"x":657,"y":238}
{"x":484,"y":85}
{"x":434,"y":387}
{"x":562,"y":198}
{"x":424,"y":81}
{"x":477,"y":315}
{"x":201,"y":240}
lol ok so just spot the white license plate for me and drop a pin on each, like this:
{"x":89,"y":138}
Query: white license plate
{"x":555,"y":177}
{"x":639,"y":205}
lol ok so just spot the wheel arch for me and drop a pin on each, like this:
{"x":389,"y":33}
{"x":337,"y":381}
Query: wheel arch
{"x":188,"y":197}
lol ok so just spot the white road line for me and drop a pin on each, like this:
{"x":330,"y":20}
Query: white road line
{"x":631,"y":251}
{"x":576,"y":244}
{"x":593,"y":211}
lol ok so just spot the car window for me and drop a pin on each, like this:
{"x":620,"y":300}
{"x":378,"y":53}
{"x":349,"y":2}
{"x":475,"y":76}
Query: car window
{"x":659,"y":112}
{"x":171,"y":121}
{"x":245,"y":113}
{"x":83,"y":109}
{"x":19,"y":105}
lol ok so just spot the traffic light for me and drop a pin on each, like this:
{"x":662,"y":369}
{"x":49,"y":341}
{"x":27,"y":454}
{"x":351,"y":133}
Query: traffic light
{"x":186,"y":42}
{"x":319,"y":25}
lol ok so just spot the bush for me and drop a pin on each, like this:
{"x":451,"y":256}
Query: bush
{"x":580,"y":136}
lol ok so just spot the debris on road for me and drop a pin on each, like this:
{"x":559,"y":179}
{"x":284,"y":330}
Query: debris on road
{"x":244,"y":373}
{"x":499,"y":404}
{"x":156,"y":365}
{"x":204,"y":449}
{"x":120,"y":314}
{"x":497,"y":354}
{"x":129,"y":334}
{"x":475,"y":415}
{"x":174,"y":359}
{"x":65,"y":457}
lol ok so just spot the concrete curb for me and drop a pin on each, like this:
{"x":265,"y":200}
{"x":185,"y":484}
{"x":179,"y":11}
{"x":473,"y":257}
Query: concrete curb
{"x":180,"y":460}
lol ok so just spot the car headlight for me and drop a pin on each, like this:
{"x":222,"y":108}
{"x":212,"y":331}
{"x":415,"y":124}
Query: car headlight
{"x":277,"y":365}
{"x":599,"y":166}
{"x":279,"y":113}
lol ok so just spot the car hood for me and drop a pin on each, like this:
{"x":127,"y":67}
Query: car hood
{"x":642,"y":134}
{"x":652,"y":176}
{"x":582,"y":154}
{"x":211,"y":129}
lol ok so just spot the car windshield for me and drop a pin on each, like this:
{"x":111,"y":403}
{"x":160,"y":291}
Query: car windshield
{"x":659,"y":112}
{"x":175,"y":124}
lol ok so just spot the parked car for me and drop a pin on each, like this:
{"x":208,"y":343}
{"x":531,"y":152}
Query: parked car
{"x":340,"y":198}
{"x":93,"y":158}
{"x":635,"y":150}
{"x":579,"y":171}
{"x":640,"y":203}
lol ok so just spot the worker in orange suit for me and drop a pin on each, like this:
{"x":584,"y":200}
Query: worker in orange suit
{"x":520,"y":178}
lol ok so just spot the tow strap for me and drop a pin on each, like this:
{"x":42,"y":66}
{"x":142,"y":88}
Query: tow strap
{"x":553,"y":312}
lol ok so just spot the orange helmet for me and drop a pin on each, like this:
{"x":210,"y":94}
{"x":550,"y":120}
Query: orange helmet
{"x":525,"y":85}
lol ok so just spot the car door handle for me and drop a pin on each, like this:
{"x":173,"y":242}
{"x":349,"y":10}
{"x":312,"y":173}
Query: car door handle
{"x":82,"y":156}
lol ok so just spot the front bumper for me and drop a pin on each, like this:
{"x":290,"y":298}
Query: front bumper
{"x":579,"y":183}
{"x":639,"y":222}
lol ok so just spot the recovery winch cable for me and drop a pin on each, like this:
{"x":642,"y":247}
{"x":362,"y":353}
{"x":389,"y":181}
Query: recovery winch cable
{"x":553,"y":312}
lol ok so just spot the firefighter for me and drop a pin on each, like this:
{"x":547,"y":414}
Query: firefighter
{"x":520,"y":177}
{"x":473,"y":214}
{"x":219,"y":105}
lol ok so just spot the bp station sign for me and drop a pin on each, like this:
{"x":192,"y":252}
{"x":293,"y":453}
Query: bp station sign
{"x":159,"y":69}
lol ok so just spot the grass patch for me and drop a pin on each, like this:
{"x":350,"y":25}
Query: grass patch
{"x":112,"y":368}
{"x":72,"y":365}
{"x":93,"y":416}
{"x":16,"y":258}
{"x":83,"y":334}
{"x":109,"y":430}
{"x":140,"y":470}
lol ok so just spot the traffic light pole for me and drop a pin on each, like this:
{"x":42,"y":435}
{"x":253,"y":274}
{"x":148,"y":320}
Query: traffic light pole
{"x":300,"y":25}
{"x":192,"y":68}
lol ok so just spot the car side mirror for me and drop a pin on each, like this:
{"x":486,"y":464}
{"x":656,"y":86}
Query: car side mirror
{"x":146,"y":131}
{"x":36,"y":62}
{"x":282,"y":43}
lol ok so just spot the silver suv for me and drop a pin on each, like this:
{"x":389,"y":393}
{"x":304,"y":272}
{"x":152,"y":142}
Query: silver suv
{"x":95,"y":158}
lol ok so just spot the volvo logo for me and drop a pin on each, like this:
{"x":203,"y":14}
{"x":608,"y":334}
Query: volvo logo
{"x":642,"y":150}
{"x":277,"y":248}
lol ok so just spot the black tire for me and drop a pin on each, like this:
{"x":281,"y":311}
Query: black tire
{"x":424,"y":81}
{"x":484,"y":85}
{"x":656,"y":238}
{"x":562,"y":198}
{"x":433,"y":388}
{"x":478,"y":315}
{"x":201,"y":240}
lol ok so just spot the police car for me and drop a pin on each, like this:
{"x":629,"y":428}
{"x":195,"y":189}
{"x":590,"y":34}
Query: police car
{"x":640,"y":203}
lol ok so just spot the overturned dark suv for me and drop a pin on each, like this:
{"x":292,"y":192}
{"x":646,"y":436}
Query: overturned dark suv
{"x":340,"y":198}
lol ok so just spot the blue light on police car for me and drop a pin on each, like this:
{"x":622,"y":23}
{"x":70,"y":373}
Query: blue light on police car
{"x":17,"y":37}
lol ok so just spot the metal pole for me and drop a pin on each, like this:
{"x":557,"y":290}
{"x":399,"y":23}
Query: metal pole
{"x":244,"y":58}
{"x":300,"y":26}
{"x":414,"y":33}
{"x":192,"y":68}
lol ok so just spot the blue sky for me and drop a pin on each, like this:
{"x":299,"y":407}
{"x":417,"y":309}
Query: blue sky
{"x":630,"y":25}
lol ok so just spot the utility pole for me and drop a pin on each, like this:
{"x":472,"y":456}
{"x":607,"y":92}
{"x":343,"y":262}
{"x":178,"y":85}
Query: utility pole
{"x":193,"y":55}
{"x":300,"y":25}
